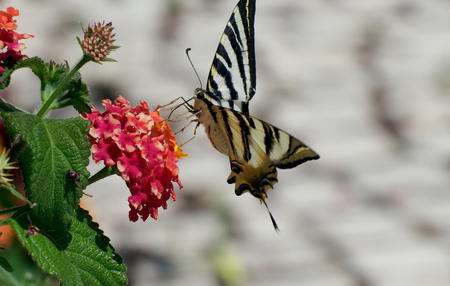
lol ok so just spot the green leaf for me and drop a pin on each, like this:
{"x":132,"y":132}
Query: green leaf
{"x":76,"y":95}
{"x":52,"y":148}
{"x":26,"y":272}
{"x":76,"y":92}
{"x":88,"y":260}
{"x":109,"y":60}
{"x":34,"y":63}
{"x":5,"y":78}
{"x":7,"y":278}
{"x":50,"y":74}
{"x":7,"y":107}
{"x":15,"y":193}
{"x":50,"y":77}
{"x":11,"y":210}
{"x":5,"y":264}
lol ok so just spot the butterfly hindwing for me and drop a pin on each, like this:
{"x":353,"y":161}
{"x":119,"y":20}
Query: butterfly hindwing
{"x":232,"y":77}
{"x":256,"y":148}
{"x":284,"y":150}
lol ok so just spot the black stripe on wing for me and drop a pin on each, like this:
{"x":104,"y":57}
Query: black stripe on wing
{"x":250,"y":35}
{"x":232,"y":77}
{"x":227,"y":77}
{"x":245,"y":134}
{"x":229,"y":132}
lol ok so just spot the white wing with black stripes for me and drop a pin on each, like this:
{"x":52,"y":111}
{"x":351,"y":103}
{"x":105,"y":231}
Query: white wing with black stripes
{"x":255,"y":148}
{"x":232,"y":78}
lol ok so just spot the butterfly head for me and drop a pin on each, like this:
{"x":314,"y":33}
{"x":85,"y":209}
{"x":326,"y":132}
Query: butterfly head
{"x":202,"y":99}
{"x":200,"y":93}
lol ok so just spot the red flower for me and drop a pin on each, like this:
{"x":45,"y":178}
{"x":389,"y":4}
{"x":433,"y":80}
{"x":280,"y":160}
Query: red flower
{"x":10,"y":48}
{"x":144,"y":149}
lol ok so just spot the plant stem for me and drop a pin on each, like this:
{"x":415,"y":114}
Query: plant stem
{"x":103,"y":173}
{"x":62,"y":84}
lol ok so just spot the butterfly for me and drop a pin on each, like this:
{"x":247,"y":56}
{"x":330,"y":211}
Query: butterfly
{"x":255,"y":148}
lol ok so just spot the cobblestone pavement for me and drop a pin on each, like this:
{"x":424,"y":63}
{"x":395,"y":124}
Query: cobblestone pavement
{"x":365,"y":83}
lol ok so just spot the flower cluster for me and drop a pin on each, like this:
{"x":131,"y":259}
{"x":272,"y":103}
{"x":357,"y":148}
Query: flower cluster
{"x":98,"y":41}
{"x":10,"y":48}
{"x":144,"y":149}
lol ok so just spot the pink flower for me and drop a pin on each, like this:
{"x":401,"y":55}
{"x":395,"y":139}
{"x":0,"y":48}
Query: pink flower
{"x":144,"y":149}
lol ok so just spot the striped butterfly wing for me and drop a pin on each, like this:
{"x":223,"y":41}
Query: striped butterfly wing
{"x":232,"y":77}
{"x":256,"y":148}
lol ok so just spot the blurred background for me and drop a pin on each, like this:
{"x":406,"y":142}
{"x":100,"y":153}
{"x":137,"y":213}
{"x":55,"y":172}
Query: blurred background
{"x":364,"y":83}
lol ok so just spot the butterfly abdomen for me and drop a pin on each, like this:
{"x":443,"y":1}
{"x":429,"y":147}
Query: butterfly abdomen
{"x":207,"y":116}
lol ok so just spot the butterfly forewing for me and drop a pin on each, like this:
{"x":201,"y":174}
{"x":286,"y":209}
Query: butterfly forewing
{"x":232,"y":78}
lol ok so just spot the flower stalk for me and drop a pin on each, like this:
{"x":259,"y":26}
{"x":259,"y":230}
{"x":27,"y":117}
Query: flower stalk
{"x":103,"y":173}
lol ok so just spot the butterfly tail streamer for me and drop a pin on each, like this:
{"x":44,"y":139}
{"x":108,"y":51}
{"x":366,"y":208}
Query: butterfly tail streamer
{"x":275,"y":225}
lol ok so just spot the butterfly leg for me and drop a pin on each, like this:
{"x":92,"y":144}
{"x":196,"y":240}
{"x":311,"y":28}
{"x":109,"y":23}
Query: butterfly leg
{"x":196,"y":126}
{"x":179,"y":117}
{"x":193,"y":136}
{"x":186,"y":126}
{"x":185,"y":103}
{"x":189,"y":140}
{"x":173,"y":101}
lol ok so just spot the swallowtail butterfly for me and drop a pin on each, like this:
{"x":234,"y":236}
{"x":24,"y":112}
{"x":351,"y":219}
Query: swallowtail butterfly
{"x":255,"y":148}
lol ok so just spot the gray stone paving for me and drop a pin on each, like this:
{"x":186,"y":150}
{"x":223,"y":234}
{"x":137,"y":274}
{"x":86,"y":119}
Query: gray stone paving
{"x":365,"y":83}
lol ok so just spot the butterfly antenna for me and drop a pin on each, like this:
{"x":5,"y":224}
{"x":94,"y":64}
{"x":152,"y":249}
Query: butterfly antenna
{"x":193,"y":67}
{"x":271,"y":216}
